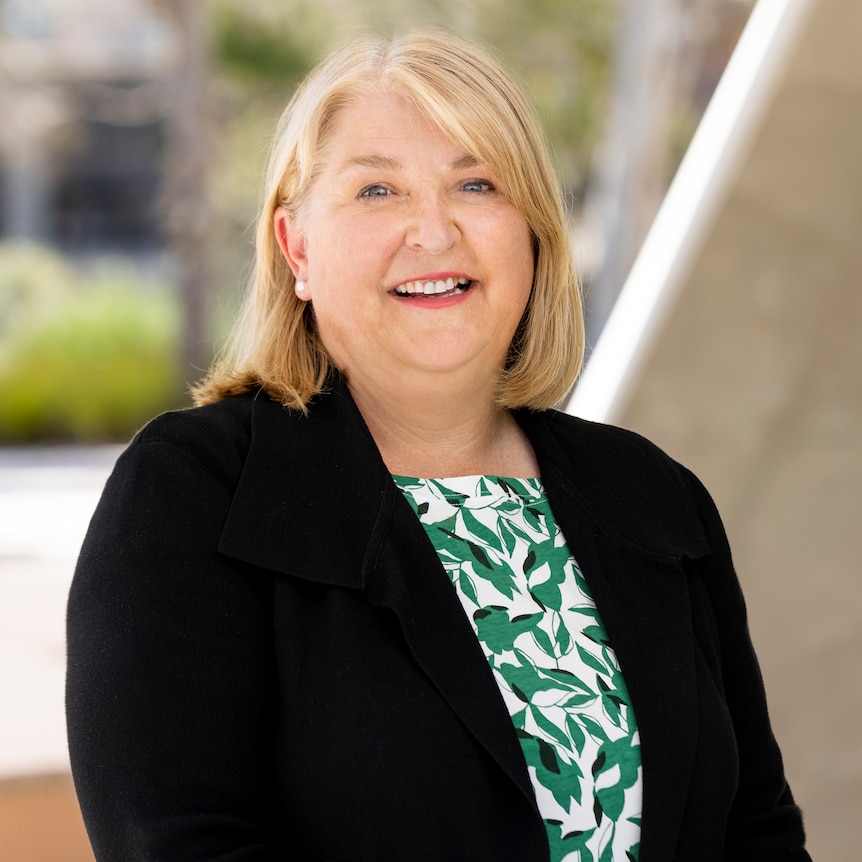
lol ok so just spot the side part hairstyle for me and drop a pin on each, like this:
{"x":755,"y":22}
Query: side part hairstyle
{"x":465,"y":92}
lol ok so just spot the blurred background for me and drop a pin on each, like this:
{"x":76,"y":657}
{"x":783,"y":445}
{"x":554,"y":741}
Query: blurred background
{"x":132,"y":139}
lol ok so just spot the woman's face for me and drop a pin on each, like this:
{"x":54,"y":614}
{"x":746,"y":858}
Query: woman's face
{"x":413,"y":259}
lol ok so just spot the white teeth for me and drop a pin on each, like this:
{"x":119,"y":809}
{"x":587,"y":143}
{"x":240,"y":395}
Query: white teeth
{"x":430,"y":288}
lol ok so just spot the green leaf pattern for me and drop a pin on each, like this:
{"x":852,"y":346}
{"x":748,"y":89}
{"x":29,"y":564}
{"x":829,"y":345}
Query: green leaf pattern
{"x":545,"y":643}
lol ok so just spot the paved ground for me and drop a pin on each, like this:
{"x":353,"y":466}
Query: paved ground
{"x":46,"y":499}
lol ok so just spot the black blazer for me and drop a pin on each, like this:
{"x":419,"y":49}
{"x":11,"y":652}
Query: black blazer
{"x":267,"y":661}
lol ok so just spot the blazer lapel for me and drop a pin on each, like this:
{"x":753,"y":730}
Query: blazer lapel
{"x":642,"y":596}
{"x":647,"y":615}
{"x":316,"y":501}
{"x":407,"y":578}
{"x":309,"y":493}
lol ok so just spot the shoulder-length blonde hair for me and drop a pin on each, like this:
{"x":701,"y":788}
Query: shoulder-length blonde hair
{"x":462,"y":89}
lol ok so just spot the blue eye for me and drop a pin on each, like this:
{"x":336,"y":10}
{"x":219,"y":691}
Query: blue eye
{"x":478,"y":186}
{"x":374,"y":191}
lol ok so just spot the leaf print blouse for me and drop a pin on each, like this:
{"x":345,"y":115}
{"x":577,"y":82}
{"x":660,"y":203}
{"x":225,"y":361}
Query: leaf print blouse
{"x":548,"y":650}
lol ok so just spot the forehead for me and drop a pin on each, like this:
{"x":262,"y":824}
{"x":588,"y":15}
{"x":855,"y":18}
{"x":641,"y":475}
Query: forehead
{"x":381,"y":130}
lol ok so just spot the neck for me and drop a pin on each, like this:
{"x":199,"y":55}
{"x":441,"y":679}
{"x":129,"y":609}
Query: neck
{"x":438,"y":428}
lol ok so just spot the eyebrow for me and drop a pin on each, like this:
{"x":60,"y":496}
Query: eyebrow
{"x":381,"y":162}
{"x":389,"y":164}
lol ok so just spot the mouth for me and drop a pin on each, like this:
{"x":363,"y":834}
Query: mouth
{"x":435,"y":289}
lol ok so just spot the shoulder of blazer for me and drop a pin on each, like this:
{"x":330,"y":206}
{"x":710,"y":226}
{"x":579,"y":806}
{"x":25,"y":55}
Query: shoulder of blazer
{"x":217,"y":435}
{"x":304,"y":469}
{"x":309,"y":491}
{"x":639,"y":497}
{"x":291,"y":476}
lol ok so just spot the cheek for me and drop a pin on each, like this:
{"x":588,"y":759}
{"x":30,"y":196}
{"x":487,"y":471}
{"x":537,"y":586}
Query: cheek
{"x":523,"y":267}
{"x":520,"y":258}
{"x":355,"y":253}
{"x":509,"y":235}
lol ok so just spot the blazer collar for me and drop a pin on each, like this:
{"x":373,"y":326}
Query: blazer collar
{"x":632,"y":492}
{"x":304,"y":475}
{"x":303,"y":471}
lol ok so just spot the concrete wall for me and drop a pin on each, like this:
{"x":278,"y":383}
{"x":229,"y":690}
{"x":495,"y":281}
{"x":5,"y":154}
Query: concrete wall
{"x":756,"y":383}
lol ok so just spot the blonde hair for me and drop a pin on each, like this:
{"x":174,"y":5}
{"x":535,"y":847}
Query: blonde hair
{"x":462,"y":89}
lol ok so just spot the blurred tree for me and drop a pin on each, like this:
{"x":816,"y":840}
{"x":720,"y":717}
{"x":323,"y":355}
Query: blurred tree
{"x":260,"y":44}
{"x":189,"y":163}
{"x":85,"y":354}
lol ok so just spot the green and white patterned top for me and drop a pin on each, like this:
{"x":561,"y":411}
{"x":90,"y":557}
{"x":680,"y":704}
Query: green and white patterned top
{"x":540,"y":631}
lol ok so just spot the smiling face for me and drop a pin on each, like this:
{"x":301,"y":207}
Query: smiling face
{"x":413,"y":258}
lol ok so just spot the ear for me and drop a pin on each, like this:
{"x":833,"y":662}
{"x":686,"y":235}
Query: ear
{"x":292,"y":245}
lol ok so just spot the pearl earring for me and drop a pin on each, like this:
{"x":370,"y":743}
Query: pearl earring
{"x":300,"y":286}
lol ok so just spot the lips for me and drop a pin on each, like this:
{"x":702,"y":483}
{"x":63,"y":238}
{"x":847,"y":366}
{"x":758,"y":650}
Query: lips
{"x":436,"y":287}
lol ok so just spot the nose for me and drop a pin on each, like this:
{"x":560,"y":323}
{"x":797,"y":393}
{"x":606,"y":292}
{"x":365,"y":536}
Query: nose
{"x":431,"y":226}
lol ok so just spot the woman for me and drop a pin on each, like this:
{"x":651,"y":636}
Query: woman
{"x":373,"y":599}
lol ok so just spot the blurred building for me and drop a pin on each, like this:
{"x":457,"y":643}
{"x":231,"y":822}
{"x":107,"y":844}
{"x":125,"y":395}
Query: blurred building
{"x":85,"y":92}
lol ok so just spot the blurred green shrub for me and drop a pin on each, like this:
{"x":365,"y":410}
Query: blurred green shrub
{"x":82,"y":358}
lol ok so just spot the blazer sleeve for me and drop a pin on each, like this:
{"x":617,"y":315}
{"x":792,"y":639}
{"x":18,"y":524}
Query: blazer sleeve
{"x":167,"y":662}
{"x":765,"y":824}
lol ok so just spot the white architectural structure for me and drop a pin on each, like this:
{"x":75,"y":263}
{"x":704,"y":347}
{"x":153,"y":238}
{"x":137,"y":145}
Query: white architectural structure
{"x":737,"y":346}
